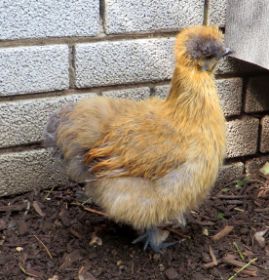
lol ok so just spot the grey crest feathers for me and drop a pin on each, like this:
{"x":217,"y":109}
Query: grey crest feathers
{"x":199,"y":47}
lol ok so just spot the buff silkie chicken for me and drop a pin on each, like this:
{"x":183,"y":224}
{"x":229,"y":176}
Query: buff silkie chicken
{"x":149,"y":162}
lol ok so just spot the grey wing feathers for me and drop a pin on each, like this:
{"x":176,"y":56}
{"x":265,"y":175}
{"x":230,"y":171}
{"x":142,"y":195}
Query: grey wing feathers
{"x":58,"y":117}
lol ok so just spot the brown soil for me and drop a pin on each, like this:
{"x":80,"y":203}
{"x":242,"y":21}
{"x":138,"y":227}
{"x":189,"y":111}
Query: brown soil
{"x":47,"y":235}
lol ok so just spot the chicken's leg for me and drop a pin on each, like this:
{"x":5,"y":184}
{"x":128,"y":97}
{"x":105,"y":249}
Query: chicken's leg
{"x":154,"y":238}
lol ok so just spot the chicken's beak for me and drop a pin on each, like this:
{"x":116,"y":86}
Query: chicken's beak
{"x":227,"y":52}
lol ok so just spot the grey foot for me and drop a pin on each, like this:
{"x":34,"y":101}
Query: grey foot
{"x":154,"y":238}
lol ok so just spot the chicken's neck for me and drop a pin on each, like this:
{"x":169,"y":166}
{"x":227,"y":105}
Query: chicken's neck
{"x":193,"y":96}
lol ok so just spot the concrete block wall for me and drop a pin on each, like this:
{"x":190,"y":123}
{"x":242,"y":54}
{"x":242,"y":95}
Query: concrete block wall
{"x":54,"y":52}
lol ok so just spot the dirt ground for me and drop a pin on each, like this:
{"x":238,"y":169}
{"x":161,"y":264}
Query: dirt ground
{"x":50,"y":235}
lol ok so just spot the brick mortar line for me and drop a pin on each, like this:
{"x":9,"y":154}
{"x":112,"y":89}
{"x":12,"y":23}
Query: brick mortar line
{"x":80,"y":40}
{"x":259,"y":115}
{"x":39,"y":146}
{"x":234,"y":117}
{"x":97,"y":90}
{"x":245,"y":158}
{"x":243,"y":114}
{"x":22,"y":148}
{"x":36,"y":96}
{"x":206,"y":10}
{"x":243,"y":99}
{"x":152,"y":91}
{"x":102,"y":6}
{"x":244,"y":93}
{"x":227,"y":76}
{"x":72,"y":91}
{"x":71,"y":68}
{"x":240,"y":75}
{"x":259,"y":136}
{"x":100,"y":90}
{"x":52,"y":95}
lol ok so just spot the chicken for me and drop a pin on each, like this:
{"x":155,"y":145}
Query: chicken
{"x":149,"y":162}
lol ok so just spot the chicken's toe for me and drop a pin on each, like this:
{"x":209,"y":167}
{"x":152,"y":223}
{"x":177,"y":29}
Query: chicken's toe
{"x":154,"y":238}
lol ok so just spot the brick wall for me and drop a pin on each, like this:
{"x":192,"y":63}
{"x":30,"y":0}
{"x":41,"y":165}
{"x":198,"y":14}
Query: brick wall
{"x":53,"y":52}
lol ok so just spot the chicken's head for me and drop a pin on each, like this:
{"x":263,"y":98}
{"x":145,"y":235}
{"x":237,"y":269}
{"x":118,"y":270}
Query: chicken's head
{"x":200,"y":47}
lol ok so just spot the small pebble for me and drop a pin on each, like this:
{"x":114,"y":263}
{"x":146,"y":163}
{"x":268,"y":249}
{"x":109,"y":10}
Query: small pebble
{"x":54,"y":277}
{"x":19,"y":249}
{"x":206,"y":258}
{"x":161,"y":267}
{"x":122,"y":267}
{"x":156,"y":257}
{"x":119,"y":263}
{"x":2,"y":240}
{"x":171,"y":274}
{"x":98,"y":271}
{"x":3,"y":224}
{"x":205,"y":232}
{"x":95,"y":240}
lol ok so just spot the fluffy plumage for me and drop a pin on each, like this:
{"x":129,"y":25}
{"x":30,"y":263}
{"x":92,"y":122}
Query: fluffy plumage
{"x":149,"y":162}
